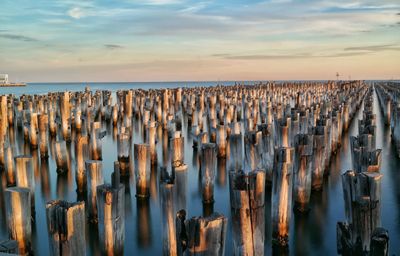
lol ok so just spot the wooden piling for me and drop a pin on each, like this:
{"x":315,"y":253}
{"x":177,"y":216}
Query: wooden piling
{"x":66,"y":227}
{"x":94,"y":173}
{"x":25,"y":177}
{"x":142,"y":169}
{"x":208,"y":164}
{"x":282,"y":195}
{"x":111,"y":216}
{"x":18,"y":212}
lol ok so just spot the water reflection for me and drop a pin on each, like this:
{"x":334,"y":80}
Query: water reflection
{"x":143,"y":223}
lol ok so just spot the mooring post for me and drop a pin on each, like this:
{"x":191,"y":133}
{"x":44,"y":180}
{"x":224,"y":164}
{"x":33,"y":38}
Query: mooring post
{"x":142,"y":169}
{"x":25,"y":177}
{"x":66,"y":227}
{"x":94,"y":173}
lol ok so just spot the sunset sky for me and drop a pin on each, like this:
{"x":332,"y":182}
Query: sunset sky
{"x":178,"y":40}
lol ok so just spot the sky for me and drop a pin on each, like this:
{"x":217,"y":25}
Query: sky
{"x":188,"y":40}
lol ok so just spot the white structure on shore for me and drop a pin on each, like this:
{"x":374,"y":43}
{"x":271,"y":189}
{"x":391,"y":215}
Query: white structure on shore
{"x":3,"y":78}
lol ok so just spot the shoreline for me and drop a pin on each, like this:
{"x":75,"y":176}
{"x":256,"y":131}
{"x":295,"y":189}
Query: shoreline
{"x":13,"y":85}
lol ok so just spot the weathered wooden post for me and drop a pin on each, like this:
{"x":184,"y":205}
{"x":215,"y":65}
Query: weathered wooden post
{"x":221,"y":141}
{"x":267,"y":149}
{"x":283,"y":132}
{"x":66,"y":227}
{"x":124,"y":147}
{"x":62,"y":160}
{"x":81,"y":154}
{"x":52,"y":122}
{"x":247,"y":203}
{"x":252,"y":151}
{"x":208,"y":164}
{"x":303,"y":171}
{"x":142,"y":169}
{"x":318,"y":165}
{"x":25,"y":177}
{"x":94,"y":172}
{"x":282,"y":195}
{"x":235,"y":161}
{"x":168,"y":207}
{"x":379,"y":242}
{"x":43,"y":124}
{"x":111,"y":214}
{"x":10,"y":166}
{"x":177,"y":150}
{"x":95,"y":145}
{"x":151,"y":137}
{"x":65,"y":111}
{"x":18,"y":211}
{"x":201,"y":235}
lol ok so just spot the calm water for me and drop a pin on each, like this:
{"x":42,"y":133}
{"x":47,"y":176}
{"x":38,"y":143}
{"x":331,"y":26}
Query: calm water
{"x":313,"y":234}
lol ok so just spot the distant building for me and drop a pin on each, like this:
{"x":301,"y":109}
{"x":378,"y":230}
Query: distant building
{"x":3,"y":78}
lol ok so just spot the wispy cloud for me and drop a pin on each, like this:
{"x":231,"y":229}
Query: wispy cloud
{"x":113,"y":46}
{"x":18,"y":37}
{"x":375,"y":48}
{"x":76,"y":13}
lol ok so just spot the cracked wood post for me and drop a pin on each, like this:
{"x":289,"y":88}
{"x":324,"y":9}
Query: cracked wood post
{"x":10,"y":166}
{"x":62,"y":161}
{"x":111,"y":215}
{"x":252,"y":150}
{"x":151,"y":137}
{"x":124,"y":147}
{"x":81,"y":154}
{"x":177,"y":145}
{"x":379,"y":242}
{"x":201,"y":235}
{"x":66,"y":227}
{"x":43,"y":142}
{"x":33,"y":131}
{"x":267,"y":149}
{"x":168,"y":206}
{"x":95,"y":145}
{"x":247,"y":206}
{"x":235,"y":160}
{"x":94,"y":173}
{"x":181,"y":173}
{"x":318,"y":165}
{"x":142,"y":169}
{"x":282,"y":195}
{"x":18,"y":212}
{"x":25,"y":177}
{"x":52,"y":122}
{"x":65,"y":112}
{"x":221,"y":141}
{"x":208,"y":164}
{"x":283,"y":132}
{"x":303,"y":171}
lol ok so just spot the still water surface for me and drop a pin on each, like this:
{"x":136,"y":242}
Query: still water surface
{"x":312,"y":234}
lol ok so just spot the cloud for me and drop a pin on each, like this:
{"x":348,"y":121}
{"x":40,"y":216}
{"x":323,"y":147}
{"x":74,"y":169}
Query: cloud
{"x":76,"y":13}
{"x":375,"y":48}
{"x":113,"y":46}
{"x":162,"y":2}
{"x":289,"y":56}
{"x":18,"y":38}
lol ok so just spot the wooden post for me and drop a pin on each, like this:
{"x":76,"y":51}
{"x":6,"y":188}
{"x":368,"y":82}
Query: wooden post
{"x":142,"y":169}
{"x":168,"y":207}
{"x":94,"y":172}
{"x":33,"y":131}
{"x":10,"y":166}
{"x":379,"y":242}
{"x":124,"y":147}
{"x":267,"y":150}
{"x":252,"y":152}
{"x":303,"y":171}
{"x":62,"y":161}
{"x":81,"y":154}
{"x":247,"y":203}
{"x":25,"y":176}
{"x":66,"y":227}
{"x":318,"y":165}
{"x":181,"y":173}
{"x":18,"y":211}
{"x":221,"y":141}
{"x":201,"y":235}
{"x":235,"y":161}
{"x":95,"y":145}
{"x":177,"y":150}
{"x":208,"y":164}
{"x":282,"y":195}
{"x":111,"y":214}
{"x":43,"y":124}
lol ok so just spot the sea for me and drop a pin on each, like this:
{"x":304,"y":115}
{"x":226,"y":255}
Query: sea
{"x":311,"y":234}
